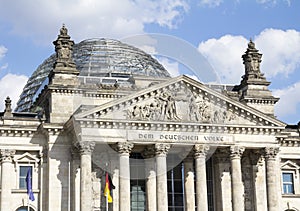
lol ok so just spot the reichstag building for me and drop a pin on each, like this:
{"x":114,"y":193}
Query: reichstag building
{"x":101,"y":125}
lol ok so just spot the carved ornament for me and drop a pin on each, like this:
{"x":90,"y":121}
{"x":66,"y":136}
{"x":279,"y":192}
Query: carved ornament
{"x":200,"y":150}
{"x":7,"y":155}
{"x":236,"y":151}
{"x":179,"y":105}
{"x":124,"y":147}
{"x":85,"y":147}
{"x":271,"y":152}
{"x":162,"y":149}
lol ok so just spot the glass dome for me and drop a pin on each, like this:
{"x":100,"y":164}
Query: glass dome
{"x":95,"y":58}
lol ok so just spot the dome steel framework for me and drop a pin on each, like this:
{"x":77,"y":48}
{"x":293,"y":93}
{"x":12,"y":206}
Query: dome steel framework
{"x":95,"y":58}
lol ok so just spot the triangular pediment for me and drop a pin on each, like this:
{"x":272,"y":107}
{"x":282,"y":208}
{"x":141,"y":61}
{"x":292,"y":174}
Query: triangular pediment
{"x":179,"y":100}
{"x":26,"y":158}
{"x":289,"y":165}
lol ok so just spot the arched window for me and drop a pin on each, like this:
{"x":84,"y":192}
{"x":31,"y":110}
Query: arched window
{"x":24,"y":208}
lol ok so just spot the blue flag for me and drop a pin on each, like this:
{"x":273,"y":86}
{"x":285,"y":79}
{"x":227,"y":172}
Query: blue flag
{"x":29,"y":185}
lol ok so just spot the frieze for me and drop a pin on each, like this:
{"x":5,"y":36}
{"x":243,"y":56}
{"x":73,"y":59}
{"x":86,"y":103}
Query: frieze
{"x":180,"y":137}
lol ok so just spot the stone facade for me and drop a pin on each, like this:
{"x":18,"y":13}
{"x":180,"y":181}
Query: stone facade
{"x":167,"y":143}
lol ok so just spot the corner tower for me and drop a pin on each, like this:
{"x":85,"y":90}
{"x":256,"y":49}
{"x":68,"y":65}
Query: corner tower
{"x":58,"y":103}
{"x":64,"y":69}
{"x":253,"y":89}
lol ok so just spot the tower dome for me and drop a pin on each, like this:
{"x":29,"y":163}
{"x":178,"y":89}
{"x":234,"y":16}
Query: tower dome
{"x":95,"y":58}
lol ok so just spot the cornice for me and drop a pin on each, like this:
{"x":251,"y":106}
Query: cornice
{"x":51,"y":129}
{"x":180,"y":127}
{"x":291,"y":141}
{"x":17,"y":132}
{"x":264,"y":101}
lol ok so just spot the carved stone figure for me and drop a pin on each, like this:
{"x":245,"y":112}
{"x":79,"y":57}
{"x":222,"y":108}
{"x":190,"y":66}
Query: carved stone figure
{"x":64,"y":31}
{"x":168,"y":106}
{"x":64,"y":49}
{"x":194,"y":114}
{"x":160,"y":108}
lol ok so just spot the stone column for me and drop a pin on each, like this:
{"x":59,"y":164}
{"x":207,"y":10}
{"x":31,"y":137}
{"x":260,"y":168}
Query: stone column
{"x":124,"y":149}
{"x":161,"y":151}
{"x":189,"y":189}
{"x":259,"y":180}
{"x":6,"y":171}
{"x":200,"y":152}
{"x":236,"y":178}
{"x":222,"y":179}
{"x":150,"y":174}
{"x":115,"y":180}
{"x":272,"y":194}
{"x":85,"y":149}
{"x":75,"y":182}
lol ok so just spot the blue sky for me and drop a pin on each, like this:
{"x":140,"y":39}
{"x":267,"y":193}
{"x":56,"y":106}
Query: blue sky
{"x":218,"y":29}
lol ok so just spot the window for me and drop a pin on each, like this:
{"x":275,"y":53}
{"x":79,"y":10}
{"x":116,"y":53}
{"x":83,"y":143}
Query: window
{"x":176,"y":187}
{"x":22,"y":176}
{"x":137,"y":182}
{"x":288,"y":182}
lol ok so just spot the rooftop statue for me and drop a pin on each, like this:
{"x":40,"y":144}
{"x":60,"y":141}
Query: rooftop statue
{"x":64,"y":49}
{"x":252,"y":60}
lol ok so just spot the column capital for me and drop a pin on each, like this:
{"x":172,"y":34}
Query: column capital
{"x":7,"y":155}
{"x":200,"y":150}
{"x":124,"y":147}
{"x":271,"y":152}
{"x":236,"y":152}
{"x":85,"y":147}
{"x":162,"y":149}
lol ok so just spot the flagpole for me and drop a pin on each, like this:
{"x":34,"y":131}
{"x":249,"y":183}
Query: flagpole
{"x":106,"y":164}
{"x":106,"y":202}
{"x":27,"y":191}
{"x":28,"y":203}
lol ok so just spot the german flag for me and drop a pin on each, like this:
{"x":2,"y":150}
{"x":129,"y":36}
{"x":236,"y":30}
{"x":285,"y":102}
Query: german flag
{"x":108,"y":187}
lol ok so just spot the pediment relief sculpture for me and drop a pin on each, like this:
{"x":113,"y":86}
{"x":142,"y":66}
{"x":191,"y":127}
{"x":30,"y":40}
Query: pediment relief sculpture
{"x":179,"y":100}
{"x":180,"y":105}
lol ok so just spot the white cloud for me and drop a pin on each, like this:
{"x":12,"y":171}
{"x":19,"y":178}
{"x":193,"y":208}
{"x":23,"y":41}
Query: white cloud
{"x":11,"y":85}
{"x":273,"y":2}
{"x":210,"y":3}
{"x":281,"y":51}
{"x":171,"y":67}
{"x":148,"y":49}
{"x":224,"y":55}
{"x":216,"y":3}
{"x":289,"y":103}
{"x":89,"y":18}
{"x":3,"y":51}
